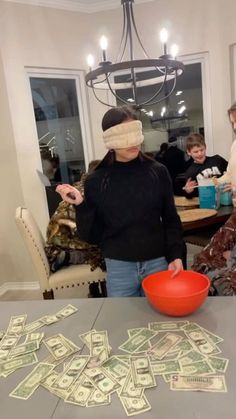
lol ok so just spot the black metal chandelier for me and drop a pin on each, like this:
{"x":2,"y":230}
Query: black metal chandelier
{"x":157,"y":71}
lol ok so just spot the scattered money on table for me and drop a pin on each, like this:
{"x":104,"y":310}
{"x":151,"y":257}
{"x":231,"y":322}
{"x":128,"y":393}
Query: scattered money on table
{"x":184,"y":354}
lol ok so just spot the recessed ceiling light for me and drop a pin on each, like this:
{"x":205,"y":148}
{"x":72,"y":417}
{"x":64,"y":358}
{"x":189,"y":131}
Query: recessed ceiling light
{"x":181,"y":110}
{"x":179,"y":93}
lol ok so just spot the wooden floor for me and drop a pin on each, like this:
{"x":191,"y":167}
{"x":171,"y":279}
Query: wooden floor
{"x":78,"y":292}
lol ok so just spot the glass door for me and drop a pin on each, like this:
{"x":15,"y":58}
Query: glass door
{"x":59,"y":122}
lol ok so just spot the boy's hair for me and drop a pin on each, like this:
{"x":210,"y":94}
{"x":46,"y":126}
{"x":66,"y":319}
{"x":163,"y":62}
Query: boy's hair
{"x":232,"y":109}
{"x":195,"y":140}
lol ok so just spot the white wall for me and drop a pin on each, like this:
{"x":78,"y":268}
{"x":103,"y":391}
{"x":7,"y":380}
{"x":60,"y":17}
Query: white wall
{"x":50,"y":38}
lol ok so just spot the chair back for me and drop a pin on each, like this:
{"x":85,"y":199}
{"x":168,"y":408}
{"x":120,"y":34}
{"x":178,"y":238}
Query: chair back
{"x":34,"y":242}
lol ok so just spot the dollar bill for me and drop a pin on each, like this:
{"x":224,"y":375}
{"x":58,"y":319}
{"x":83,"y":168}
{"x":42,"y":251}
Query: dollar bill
{"x":166,"y":367}
{"x":86,"y":338}
{"x":135,"y":406}
{"x":198,"y":368}
{"x":31,"y":327}
{"x":69,"y":343}
{"x":98,"y":360}
{"x":2,"y":334}
{"x":16,"y":324}
{"x":102,"y":380}
{"x":124,"y":358}
{"x":66,"y":311}
{"x":50,"y":319}
{"x":34,"y":336}
{"x":31,"y":382}
{"x":214,"y":384}
{"x":141,"y":372}
{"x":163,"y":346}
{"x":81,"y":392}
{"x":58,"y":346}
{"x":183,"y":346}
{"x":116,"y":367}
{"x":128,"y":388}
{"x":98,"y":342}
{"x":47,"y":383}
{"x":71,"y":373}
{"x":191,"y":357}
{"x":218,"y":364}
{"x":201,"y":342}
{"x":19,"y":362}
{"x":167,"y":326}
{"x":145,"y":346}
{"x":134,"y":343}
{"x":7,"y":343}
{"x":167,"y":377}
{"x":24,"y":348}
{"x":97,"y":398}
{"x":214,"y":338}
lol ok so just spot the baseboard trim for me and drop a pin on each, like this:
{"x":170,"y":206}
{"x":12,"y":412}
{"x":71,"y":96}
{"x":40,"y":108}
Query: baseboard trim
{"x":18,"y":286}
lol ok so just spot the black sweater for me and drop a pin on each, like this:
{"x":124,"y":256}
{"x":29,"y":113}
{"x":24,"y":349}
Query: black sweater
{"x":196,"y":168}
{"x":129,"y":212}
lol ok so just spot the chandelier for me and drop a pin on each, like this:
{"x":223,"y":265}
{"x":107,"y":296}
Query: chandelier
{"x":154,"y":72}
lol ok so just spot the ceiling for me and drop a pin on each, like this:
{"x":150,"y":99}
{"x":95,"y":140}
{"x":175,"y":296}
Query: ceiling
{"x":86,"y":6}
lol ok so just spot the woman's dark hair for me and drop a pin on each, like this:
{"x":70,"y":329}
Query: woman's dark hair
{"x":116,"y":116}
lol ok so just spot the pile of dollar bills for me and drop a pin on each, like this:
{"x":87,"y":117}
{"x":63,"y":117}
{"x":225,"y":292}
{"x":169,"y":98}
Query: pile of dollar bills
{"x":182,"y":353}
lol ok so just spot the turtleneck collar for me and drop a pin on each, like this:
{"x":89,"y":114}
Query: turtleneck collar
{"x":130,"y":163}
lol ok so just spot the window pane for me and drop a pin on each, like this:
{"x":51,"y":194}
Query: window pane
{"x":58,"y":126}
{"x":59,"y":133}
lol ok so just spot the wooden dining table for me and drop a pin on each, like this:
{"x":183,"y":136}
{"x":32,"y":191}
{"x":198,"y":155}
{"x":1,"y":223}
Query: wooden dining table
{"x":199,"y":232}
{"x":223,"y":213}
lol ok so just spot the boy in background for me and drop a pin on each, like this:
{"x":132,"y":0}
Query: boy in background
{"x":203,"y":166}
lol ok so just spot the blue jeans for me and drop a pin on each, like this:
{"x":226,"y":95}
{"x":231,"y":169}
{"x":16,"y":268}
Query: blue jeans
{"x":124,"y":279}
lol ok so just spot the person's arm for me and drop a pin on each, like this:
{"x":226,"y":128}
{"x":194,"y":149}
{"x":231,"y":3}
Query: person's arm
{"x":89,"y":223}
{"x":171,"y":223}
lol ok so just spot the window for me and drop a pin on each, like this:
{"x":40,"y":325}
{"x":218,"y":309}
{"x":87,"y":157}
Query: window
{"x":185,"y":111}
{"x":62,"y":128}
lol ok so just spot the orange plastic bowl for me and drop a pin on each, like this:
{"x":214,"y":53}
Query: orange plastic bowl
{"x":176,"y":296}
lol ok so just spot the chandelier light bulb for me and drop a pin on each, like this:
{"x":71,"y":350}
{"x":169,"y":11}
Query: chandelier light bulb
{"x":103,"y":45}
{"x":90,"y":60}
{"x":103,"y":42}
{"x":174,"y":50}
{"x":164,"y":36}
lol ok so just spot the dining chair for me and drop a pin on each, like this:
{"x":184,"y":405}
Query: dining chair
{"x":70,"y":276}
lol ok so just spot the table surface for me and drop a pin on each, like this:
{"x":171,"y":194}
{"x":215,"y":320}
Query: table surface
{"x":223,"y":213}
{"x":116,"y":316}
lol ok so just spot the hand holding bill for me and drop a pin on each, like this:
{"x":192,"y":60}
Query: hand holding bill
{"x":69,"y":194}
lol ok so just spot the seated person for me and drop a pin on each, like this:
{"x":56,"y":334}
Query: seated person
{"x":202,"y":166}
{"x":63,"y":246}
{"x":218,"y":259}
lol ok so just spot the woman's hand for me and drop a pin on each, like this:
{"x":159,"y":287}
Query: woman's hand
{"x":75,"y":196}
{"x":189,"y":186}
{"x":176,"y":266}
